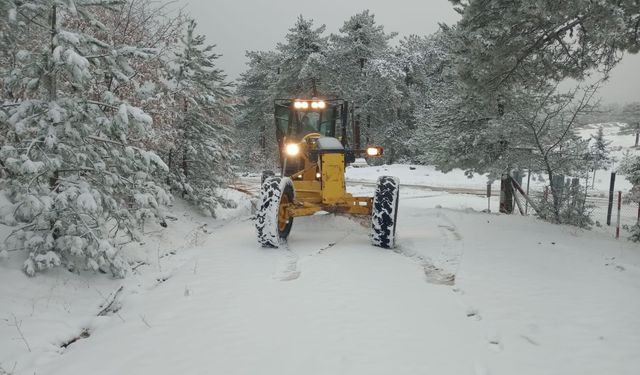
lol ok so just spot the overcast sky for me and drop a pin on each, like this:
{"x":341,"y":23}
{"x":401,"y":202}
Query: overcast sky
{"x":240,"y":25}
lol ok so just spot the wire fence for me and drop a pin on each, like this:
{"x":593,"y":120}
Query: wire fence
{"x":614,"y":209}
{"x":629,"y":212}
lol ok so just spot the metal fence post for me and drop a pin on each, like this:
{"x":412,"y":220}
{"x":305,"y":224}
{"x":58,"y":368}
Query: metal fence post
{"x":489,"y":198}
{"x":611,"y":187}
{"x":619,"y":209}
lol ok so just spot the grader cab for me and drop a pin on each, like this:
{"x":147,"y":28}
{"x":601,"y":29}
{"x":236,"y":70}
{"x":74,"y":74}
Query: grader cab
{"x":314,"y":152}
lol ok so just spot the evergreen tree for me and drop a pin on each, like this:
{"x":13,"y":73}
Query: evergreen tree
{"x":525,"y":42}
{"x":455,"y":127}
{"x":600,"y":154}
{"x":294,"y":69}
{"x":201,"y":162}
{"x":255,"y":132}
{"x":360,"y":69}
{"x":150,"y":24}
{"x":301,"y":58}
{"x":77,"y":184}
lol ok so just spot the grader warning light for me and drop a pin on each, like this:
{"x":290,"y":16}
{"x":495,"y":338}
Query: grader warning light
{"x":312,"y":135}
{"x":309,"y":104}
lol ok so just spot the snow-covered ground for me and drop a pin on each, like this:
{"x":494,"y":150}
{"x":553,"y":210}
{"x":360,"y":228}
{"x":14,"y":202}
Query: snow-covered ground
{"x":465,"y":293}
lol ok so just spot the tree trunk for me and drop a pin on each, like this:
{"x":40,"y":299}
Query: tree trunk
{"x":263,"y":139}
{"x":554,"y":195}
{"x":52,"y":79}
{"x":170,"y":165}
{"x":368,"y":130}
{"x":51,"y":75}
{"x":356,"y":132}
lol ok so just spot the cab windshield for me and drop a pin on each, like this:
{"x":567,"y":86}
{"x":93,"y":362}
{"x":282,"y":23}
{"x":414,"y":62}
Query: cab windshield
{"x":312,"y":122}
{"x":296,"y":124}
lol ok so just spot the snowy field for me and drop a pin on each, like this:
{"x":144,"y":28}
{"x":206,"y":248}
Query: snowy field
{"x":465,"y":293}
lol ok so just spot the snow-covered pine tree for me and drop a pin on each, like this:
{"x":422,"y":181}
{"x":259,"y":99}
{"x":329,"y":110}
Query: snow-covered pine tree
{"x":535,"y":41}
{"x":149,"y":24}
{"x":255,"y":132}
{"x":200,"y":164}
{"x":421,"y":63}
{"x":455,"y":127}
{"x":360,"y":69}
{"x":77,"y":185}
{"x":302,"y":57}
{"x":294,"y":69}
{"x":600,"y":154}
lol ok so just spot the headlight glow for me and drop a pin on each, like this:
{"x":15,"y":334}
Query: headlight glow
{"x":314,"y":105}
{"x":322,"y":105}
{"x":297,"y":105}
{"x":373,"y":151}
{"x":292,"y":149}
{"x":304,"y":105}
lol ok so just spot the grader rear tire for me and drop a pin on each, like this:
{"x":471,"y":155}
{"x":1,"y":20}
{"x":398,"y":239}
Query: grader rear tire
{"x":385,"y":212}
{"x":272,"y":221}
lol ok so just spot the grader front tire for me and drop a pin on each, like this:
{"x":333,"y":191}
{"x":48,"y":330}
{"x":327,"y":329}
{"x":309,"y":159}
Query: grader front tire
{"x":272,"y":222}
{"x":385,"y":212}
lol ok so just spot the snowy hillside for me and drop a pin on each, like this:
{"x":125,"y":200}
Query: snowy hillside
{"x":465,"y":293}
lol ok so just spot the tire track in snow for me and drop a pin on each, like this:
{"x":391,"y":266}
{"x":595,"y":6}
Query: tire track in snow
{"x":442,"y":270}
{"x":287,"y":267}
{"x":452,"y":254}
{"x":288,"y":264}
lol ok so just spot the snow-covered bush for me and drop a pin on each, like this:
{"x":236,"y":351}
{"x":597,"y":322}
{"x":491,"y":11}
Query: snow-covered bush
{"x":630,"y":167}
{"x":77,"y":183}
{"x":572,"y":207}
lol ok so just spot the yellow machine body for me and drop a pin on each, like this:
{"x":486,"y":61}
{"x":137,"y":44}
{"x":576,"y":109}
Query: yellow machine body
{"x":320,"y":185}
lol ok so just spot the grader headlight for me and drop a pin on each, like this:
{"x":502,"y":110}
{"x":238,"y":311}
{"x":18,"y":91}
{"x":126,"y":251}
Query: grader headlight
{"x":374,"y":151}
{"x":292,"y":149}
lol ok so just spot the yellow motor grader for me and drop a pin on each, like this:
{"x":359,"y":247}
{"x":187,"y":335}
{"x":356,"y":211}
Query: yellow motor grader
{"x":314,"y":152}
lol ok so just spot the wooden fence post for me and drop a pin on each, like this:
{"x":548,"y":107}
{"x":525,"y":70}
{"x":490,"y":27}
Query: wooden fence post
{"x":506,"y":194}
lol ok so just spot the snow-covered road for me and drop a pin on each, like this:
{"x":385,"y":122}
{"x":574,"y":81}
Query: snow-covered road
{"x":465,"y":293}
